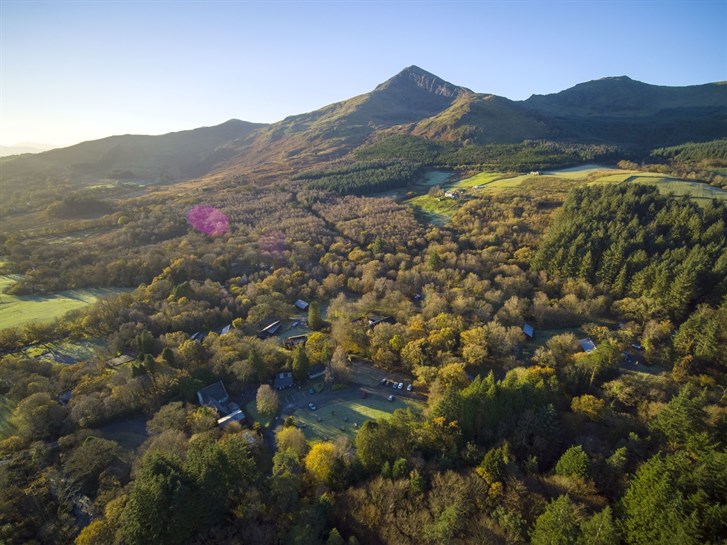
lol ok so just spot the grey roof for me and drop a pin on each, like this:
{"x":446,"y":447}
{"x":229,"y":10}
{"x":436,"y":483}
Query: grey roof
{"x":225,"y":329}
{"x":587,"y":345}
{"x":235,"y":416}
{"x":300,"y":304}
{"x":528,"y":330}
{"x":213,"y":395}
{"x":375,"y":320}
{"x":283,"y":380}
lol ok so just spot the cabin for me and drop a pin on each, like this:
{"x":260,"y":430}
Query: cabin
{"x":317,"y":370}
{"x":373,"y":321}
{"x":197,"y":336}
{"x":119,"y":360}
{"x":301,"y":305}
{"x":529,"y":331}
{"x":295,"y":340}
{"x":587,"y":345}
{"x":282,"y":380}
{"x":225,"y":330}
{"x":269,"y":330}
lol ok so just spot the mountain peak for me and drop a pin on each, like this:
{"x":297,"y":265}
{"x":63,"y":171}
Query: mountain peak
{"x":615,"y":78}
{"x":415,"y":78}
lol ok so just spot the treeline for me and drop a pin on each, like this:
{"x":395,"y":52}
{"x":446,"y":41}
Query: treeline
{"x":362,"y":178}
{"x":671,"y":253}
{"x":713,"y":152}
{"x":528,"y":155}
{"x":703,"y":161}
{"x":77,"y":206}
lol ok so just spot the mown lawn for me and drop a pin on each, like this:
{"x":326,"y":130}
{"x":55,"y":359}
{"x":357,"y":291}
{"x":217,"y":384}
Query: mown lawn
{"x":252,"y":415}
{"x":18,"y":310}
{"x":346,"y":414}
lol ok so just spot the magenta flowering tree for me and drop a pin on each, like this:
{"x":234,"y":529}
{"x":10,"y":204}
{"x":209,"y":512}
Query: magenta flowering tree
{"x":208,"y":220}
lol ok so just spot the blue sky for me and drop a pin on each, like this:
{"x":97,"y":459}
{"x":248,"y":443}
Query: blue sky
{"x":73,"y":71}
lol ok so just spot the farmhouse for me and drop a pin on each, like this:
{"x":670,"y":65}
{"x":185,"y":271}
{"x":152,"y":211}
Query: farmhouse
{"x":455,"y":194}
{"x":301,"y":305}
{"x":282,"y":380}
{"x":587,"y":345}
{"x":214,"y":396}
{"x":317,"y":370}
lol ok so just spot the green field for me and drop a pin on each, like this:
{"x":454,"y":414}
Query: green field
{"x":504,"y":184}
{"x":581,"y":172}
{"x":593,"y":174}
{"x":696,"y":190}
{"x":482,"y":178}
{"x":339,"y":416}
{"x":19,"y":310}
{"x":438,"y":209}
{"x":613,"y":178}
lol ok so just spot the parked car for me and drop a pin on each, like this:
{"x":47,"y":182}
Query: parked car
{"x":312,"y":406}
{"x":391,"y":398}
{"x":383,"y":382}
{"x":394,"y":385}
{"x":408,"y":387}
{"x":401,"y":385}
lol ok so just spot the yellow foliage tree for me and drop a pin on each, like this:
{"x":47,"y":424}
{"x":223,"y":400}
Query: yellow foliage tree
{"x":589,"y":405}
{"x":96,"y":532}
{"x":320,"y":460}
{"x":291,"y":438}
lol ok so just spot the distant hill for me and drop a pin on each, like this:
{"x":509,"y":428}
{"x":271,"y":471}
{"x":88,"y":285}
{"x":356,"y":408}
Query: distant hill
{"x":176,"y":155}
{"x":616,"y":111}
{"x":25,"y":147}
{"x":623,"y":111}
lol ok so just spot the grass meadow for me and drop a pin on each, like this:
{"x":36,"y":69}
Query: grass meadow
{"x":18,"y":310}
{"x":345,"y":414}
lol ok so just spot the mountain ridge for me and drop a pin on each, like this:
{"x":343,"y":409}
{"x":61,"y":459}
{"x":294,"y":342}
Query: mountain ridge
{"x":613,"y":110}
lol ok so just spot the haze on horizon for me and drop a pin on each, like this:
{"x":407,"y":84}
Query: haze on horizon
{"x":75,"y":71}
